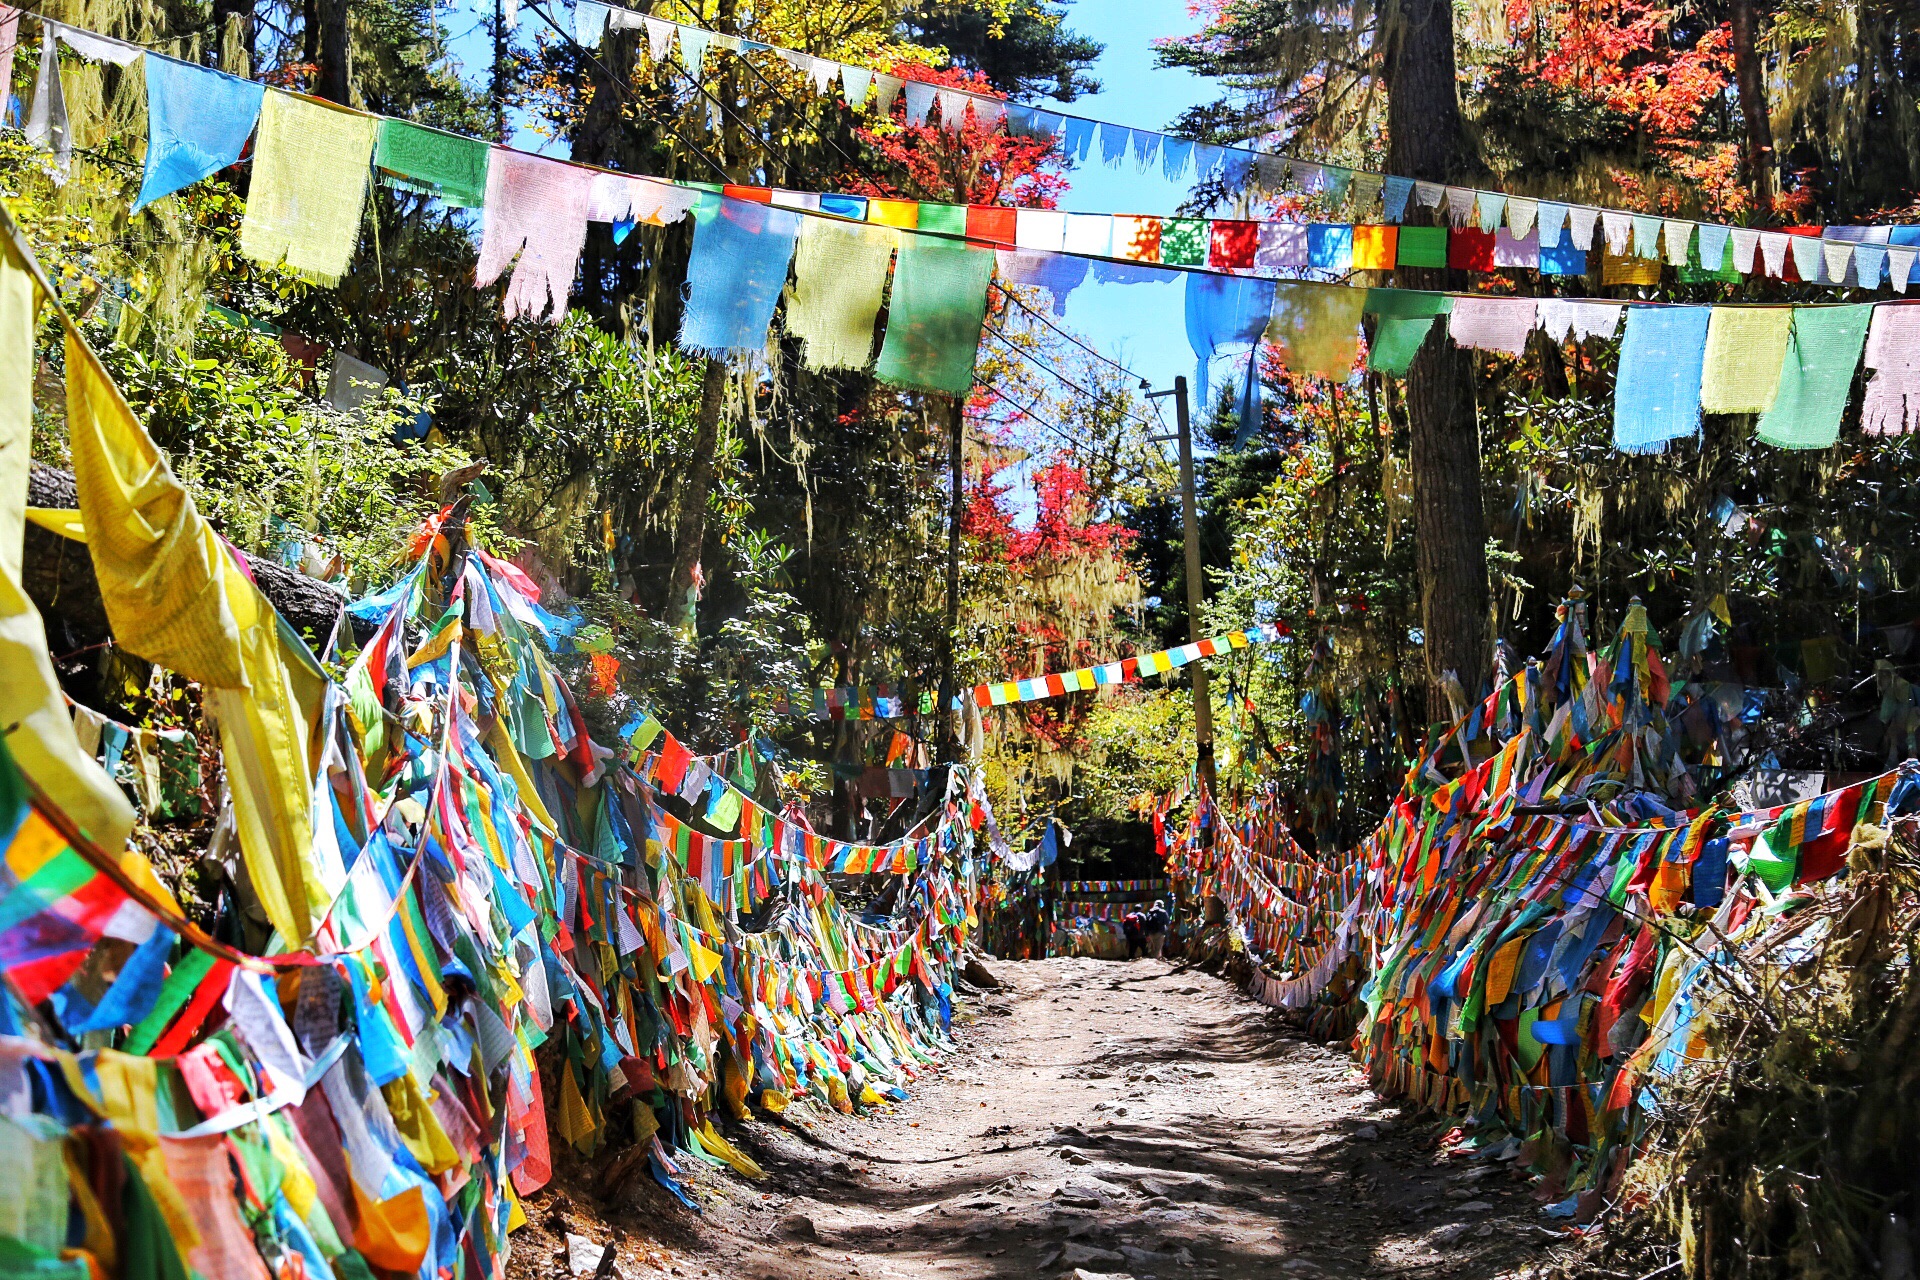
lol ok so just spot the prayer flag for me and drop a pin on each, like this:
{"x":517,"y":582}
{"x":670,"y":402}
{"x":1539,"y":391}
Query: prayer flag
{"x":198,"y":123}
{"x":309,"y":189}
{"x":934,"y":321}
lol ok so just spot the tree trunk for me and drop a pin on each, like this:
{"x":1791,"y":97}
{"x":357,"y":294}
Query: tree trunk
{"x":1751,"y":78}
{"x":690,"y":519}
{"x":597,"y":142}
{"x":334,"y":83}
{"x":1427,"y":139}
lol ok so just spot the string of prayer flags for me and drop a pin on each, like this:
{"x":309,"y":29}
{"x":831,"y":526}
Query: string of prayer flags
{"x":1657,"y":394}
{"x":1000,"y":693}
{"x":1816,"y":374}
{"x":310,"y":167}
{"x":198,"y":123}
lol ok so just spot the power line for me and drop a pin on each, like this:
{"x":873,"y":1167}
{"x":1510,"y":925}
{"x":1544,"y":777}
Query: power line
{"x":825,"y":135}
{"x":1020,"y":302}
{"x":1096,"y":397}
{"x":627,"y":91}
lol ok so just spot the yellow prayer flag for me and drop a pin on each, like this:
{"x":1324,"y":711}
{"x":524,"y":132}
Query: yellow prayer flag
{"x":43,"y":745}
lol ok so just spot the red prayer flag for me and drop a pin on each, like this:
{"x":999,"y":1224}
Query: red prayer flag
{"x":1470,"y":249}
{"x":1233,"y":243}
{"x":991,"y":222}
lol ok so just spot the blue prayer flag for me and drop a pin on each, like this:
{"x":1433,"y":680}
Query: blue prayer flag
{"x":198,"y":123}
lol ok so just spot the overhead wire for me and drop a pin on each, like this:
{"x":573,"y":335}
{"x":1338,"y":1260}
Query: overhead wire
{"x":1097,"y":397}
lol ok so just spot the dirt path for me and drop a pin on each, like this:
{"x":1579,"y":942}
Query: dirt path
{"x":1119,"y":1118}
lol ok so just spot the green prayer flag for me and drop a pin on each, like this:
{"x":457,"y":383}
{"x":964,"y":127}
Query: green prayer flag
{"x":1184,"y":241}
{"x":950,"y":219}
{"x":1406,"y":316}
{"x":1816,"y":377}
{"x":1423,"y":247}
{"x":433,"y":163}
{"x":1775,"y":869}
{"x":933,"y":325}
{"x":174,"y":994}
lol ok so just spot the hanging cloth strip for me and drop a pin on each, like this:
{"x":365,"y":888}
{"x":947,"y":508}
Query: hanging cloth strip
{"x":198,"y":123}
{"x":310,"y":167}
{"x":1657,"y":397}
{"x":1816,"y":376}
{"x":1058,"y":274}
{"x":415,"y":158}
{"x":935,"y":317}
{"x":1223,"y":312}
{"x":839,"y":280}
{"x":1493,"y":324}
{"x":536,"y":208}
{"x":1741,"y":367}
{"x":734,"y":277}
{"x":1892,"y":404}
{"x":1404,"y":318}
{"x":1317,"y":328}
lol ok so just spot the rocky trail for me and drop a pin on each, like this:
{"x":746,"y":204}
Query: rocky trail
{"x":1115,"y":1119}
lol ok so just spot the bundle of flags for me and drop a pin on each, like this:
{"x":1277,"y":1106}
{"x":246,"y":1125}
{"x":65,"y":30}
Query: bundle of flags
{"x":1523,"y":912}
{"x":457,"y":876}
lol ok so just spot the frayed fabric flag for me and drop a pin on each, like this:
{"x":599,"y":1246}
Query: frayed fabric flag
{"x":1816,"y":377}
{"x":735,"y":274}
{"x":1745,"y":348}
{"x":433,"y":163}
{"x":1057,"y":273}
{"x":1579,"y":319}
{"x":310,"y":168}
{"x":1224,"y":312}
{"x":934,"y":319}
{"x":1493,"y":324}
{"x":1404,"y":318}
{"x":1317,"y":327}
{"x":839,"y":280}
{"x":198,"y":123}
{"x":1657,"y":396}
{"x":536,"y":208}
{"x":1892,"y":405}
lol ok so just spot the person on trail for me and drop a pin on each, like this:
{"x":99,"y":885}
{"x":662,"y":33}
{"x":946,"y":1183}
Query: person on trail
{"x":1134,"y":925}
{"x":1155,"y":924}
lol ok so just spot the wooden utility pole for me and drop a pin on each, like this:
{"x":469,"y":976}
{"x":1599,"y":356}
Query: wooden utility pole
{"x":1196,"y":590}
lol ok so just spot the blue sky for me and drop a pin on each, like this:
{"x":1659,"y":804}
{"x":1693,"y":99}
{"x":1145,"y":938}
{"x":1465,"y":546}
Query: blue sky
{"x":1141,"y":326}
